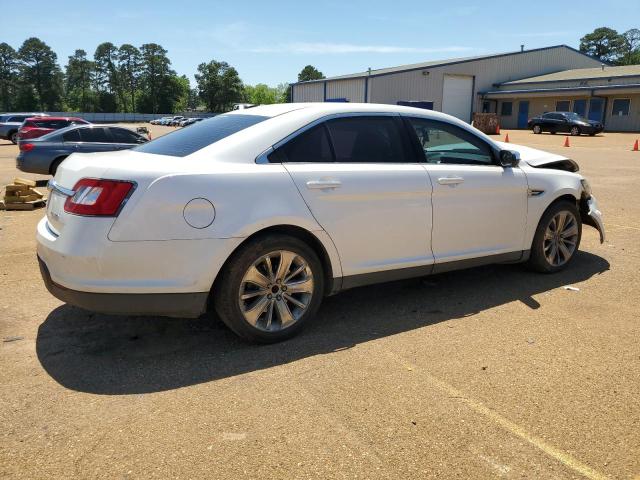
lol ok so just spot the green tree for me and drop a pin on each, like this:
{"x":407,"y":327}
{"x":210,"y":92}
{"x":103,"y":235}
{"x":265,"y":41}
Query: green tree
{"x":154,"y":77}
{"x":129,"y":70}
{"x":630,"y":51}
{"x":41,"y":75}
{"x":603,"y":43}
{"x":180,"y":88}
{"x":310,"y":73}
{"x":219,"y":85}
{"x":106,"y":77}
{"x":8,"y":76}
{"x":284,"y":93}
{"x":79,"y":94}
{"x":261,"y":94}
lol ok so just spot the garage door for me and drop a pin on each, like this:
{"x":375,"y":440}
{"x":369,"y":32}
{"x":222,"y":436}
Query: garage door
{"x":457,"y":93}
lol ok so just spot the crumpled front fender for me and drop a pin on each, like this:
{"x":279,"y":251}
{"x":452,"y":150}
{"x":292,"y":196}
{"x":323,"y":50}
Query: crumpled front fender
{"x":592,"y":216}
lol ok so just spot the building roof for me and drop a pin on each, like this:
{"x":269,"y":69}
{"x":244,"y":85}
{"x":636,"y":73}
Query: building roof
{"x":434,"y":63}
{"x":581,"y":74}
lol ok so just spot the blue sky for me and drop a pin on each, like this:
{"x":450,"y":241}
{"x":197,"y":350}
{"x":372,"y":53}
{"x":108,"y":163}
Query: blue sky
{"x":270,"y":41}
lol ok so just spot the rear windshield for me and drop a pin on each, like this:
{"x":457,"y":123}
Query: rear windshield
{"x":51,"y":123}
{"x":190,"y":139}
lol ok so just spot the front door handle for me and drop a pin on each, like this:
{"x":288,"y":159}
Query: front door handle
{"x":323,"y":184}
{"x":450,"y":180}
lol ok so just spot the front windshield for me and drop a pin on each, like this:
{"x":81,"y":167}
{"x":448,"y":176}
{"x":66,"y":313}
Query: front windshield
{"x":575,"y":116}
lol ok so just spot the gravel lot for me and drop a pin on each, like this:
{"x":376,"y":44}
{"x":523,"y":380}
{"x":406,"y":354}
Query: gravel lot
{"x":487,"y":373}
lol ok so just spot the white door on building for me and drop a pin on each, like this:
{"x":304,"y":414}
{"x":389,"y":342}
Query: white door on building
{"x":457,"y":95}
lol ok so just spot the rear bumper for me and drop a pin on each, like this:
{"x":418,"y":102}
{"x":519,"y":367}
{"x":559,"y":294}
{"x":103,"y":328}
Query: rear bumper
{"x":186,"y":305}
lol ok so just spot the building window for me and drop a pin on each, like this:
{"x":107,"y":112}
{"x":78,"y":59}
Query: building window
{"x":563,"y":106}
{"x":507,"y":109}
{"x":620,"y":107}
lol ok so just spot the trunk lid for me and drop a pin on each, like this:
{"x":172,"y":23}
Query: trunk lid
{"x":141,"y":168}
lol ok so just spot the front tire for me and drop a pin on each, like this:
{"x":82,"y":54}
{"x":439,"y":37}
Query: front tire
{"x":557,"y":238}
{"x":537,"y":129}
{"x":575,"y":131}
{"x":13,"y":136}
{"x":269,"y":289}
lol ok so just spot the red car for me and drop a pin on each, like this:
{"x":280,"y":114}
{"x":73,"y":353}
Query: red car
{"x":35,"y":127}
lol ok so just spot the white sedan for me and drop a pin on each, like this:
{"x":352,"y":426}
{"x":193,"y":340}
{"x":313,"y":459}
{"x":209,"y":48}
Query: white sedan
{"x":260,"y":213}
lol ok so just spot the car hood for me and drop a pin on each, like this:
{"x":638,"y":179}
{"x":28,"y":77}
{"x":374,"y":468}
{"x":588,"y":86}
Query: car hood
{"x":539,"y":158}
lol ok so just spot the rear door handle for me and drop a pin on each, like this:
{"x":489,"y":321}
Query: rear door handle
{"x":322,"y":184}
{"x":450,"y":180}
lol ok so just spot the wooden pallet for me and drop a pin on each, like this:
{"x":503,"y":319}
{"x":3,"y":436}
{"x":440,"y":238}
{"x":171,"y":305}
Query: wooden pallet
{"x":22,"y":195}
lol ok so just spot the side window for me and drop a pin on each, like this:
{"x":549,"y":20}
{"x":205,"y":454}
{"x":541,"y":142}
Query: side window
{"x":95,"y":134}
{"x":506,"y":109}
{"x":620,"y":107}
{"x":71,"y":136}
{"x":121,"y":135}
{"x":310,"y":146}
{"x":563,"y":105}
{"x":368,"y":140}
{"x":444,"y":143}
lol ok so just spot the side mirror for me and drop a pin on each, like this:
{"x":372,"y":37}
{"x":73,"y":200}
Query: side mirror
{"x":509,"y":158}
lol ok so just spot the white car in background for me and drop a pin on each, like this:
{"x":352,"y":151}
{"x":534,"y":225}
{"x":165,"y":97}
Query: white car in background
{"x":261,"y":213}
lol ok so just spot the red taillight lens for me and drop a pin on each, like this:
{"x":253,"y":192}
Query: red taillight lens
{"x":26,"y":147}
{"x":99,"y":198}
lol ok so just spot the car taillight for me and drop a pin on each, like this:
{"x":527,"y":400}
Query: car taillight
{"x":26,"y":147}
{"x":99,"y":198}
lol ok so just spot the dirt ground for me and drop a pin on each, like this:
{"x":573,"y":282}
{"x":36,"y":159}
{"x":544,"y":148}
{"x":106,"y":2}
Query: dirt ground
{"x":494,"y":372}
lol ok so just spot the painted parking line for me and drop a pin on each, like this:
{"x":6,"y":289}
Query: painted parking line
{"x":561,"y":456}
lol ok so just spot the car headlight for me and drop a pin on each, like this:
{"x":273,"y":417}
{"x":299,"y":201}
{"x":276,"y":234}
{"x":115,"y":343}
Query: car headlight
{"x":586,"y":188}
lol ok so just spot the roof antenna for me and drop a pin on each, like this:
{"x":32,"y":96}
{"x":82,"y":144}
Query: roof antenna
{"x":522,"y":47}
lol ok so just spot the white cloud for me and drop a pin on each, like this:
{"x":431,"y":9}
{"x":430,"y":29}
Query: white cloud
{"x":341,"y":48}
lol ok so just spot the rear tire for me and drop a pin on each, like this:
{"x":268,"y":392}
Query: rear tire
{"x":13,"y":136}
{"x":254,"y":295}
{"x":557,"y":238}
{"x":575,"y":131}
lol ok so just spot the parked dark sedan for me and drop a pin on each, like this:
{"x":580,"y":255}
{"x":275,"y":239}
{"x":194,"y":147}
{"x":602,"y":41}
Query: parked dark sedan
{"x":564,"y":122}
{"x":46,"y":153}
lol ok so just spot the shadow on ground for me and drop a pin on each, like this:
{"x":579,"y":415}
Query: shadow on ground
{"x":125,"y":355}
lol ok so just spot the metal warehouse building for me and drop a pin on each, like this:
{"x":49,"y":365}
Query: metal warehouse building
{"x":516,"y":85}
{"x":607,"y":94}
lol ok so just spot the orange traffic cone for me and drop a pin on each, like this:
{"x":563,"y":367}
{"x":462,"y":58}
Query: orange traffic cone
{"x":635,"y":146}
{"x":566,"y":142}
{"x":506,"y":139}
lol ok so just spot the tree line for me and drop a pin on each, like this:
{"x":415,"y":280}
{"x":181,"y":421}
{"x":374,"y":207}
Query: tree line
{"x":608,"y":45}
{"x":119,"y":79}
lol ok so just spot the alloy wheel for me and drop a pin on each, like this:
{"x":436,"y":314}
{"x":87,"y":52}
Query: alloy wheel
{"x":560,"y":238}
{"x":276,"y":290}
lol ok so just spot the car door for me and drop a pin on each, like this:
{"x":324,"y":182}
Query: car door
{"x":95,"y":139}
{"x":359,"y":176}
{"x":564,"y":125}
{"x":479,"y":207}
